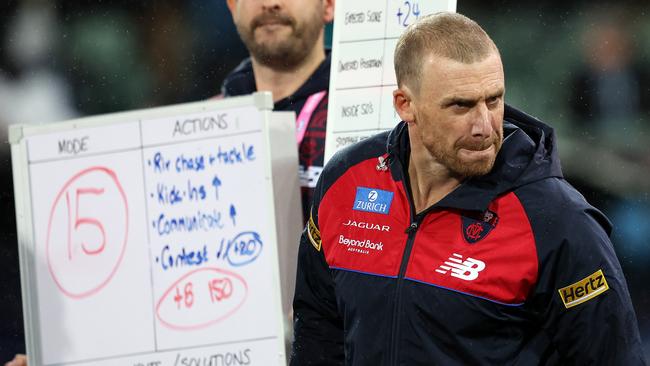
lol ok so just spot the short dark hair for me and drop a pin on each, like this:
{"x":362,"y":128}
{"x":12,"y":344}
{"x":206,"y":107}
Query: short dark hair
{"x":444,"y":34}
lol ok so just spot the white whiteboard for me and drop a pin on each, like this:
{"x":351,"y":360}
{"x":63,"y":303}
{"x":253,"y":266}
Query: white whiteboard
{"x":149,"y":237}
{"x":362,"y":77}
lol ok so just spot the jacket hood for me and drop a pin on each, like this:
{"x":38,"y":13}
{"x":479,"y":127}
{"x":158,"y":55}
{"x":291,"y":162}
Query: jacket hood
{"x":528,"y":154}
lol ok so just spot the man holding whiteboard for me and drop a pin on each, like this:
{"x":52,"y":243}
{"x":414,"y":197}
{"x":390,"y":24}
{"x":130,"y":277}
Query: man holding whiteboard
{"x":454,"y":239}
{"x":285,"y":41}
{"x":288,"y":58}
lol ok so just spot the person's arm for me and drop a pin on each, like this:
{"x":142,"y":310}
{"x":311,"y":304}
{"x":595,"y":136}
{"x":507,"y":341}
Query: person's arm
{"x":318,"y":328}
{"x":589,"y":315}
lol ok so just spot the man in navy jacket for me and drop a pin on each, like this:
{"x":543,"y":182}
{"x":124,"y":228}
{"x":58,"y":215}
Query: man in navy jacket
{"x":454,"y":239}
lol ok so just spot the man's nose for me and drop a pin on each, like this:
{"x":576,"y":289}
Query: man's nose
{"x":481,"y":124}
{"x":271,"y":4}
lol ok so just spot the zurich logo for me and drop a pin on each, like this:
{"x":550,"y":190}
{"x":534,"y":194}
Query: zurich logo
{"x":373,"y":200}
{"x":372,"y":196}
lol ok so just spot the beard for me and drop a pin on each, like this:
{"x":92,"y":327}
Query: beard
{"x":449,"y":157}
{"x":282,"y":52}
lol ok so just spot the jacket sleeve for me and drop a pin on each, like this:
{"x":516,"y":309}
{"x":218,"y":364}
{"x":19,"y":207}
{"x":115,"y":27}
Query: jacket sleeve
{"x":586,"y":307}
{"x":318,"y":328}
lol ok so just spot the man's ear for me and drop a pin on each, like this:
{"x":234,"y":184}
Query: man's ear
{"x":231,"y":6}
{"x":328,"y":10}
{"x":403,"y":103}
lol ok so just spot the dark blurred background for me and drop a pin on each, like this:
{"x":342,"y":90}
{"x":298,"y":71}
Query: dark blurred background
{"x":581,"y":66}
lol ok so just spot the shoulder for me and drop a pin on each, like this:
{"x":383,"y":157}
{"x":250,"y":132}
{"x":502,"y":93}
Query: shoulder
{"x":554,"y":196}
{"x":371,"y":147}
{"x":240,"y":80}
{"x":560,"y":216}
{"x":349,"y":159}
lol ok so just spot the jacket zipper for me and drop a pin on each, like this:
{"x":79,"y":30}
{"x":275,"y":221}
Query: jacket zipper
{"x":411,"y":231}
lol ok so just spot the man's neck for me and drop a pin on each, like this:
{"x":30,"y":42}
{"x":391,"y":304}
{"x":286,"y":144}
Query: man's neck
{"x":283,"y":83}
{"x":430,"y":181}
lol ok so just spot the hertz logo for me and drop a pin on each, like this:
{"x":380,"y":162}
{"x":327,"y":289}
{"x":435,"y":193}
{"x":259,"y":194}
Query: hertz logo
{"x":313,"y":233}
{"x":584,"y":290}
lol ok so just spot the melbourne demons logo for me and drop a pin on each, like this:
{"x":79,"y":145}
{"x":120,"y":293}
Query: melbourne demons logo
{"x":477,"y":228}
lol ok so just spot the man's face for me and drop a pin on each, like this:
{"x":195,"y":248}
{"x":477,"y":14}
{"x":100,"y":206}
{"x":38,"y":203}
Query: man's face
{"x":458,"y":113}
{"x":279,"y":33}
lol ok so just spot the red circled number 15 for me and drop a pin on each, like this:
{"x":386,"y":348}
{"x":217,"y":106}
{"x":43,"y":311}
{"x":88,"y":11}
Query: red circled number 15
{"x":87,"y":232}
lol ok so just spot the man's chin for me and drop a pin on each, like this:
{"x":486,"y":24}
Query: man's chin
{"x":276,"y":46}
{"x":476,"y":162}
{"x":279,"y":55}
{"x":273,"y":35}
{"x":482,"y":169}
{"x":473,"y":168}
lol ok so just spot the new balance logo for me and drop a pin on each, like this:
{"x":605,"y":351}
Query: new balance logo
{"x":467,"y":269}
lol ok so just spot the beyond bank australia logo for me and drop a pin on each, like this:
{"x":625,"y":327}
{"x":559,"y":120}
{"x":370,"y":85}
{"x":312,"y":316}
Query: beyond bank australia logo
{"x":372,"y":200}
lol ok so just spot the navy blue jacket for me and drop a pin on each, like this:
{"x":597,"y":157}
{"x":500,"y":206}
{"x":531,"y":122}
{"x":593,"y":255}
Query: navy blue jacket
{"x":511,"y":268}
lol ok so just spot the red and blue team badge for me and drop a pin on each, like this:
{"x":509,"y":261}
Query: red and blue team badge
{"x":478,"y":227}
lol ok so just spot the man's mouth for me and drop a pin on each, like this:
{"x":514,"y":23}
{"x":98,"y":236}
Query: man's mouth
{"x":477,"y":152}
{"x":272,"y":21}
{"x":478,"y":147}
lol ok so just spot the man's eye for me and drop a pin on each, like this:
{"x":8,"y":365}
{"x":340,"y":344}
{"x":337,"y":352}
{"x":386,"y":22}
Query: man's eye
{"x":493,"y":100}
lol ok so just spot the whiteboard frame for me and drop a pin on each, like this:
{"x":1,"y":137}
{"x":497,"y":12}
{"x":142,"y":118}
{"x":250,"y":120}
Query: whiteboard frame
{"x":18,"y":135}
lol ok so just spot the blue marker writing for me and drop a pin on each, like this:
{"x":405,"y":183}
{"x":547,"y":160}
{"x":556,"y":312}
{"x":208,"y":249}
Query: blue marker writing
{"x":185,"y":258}
{"x":233,"y":213}
{"x":244,"y":248}
{"x":204,"y":221}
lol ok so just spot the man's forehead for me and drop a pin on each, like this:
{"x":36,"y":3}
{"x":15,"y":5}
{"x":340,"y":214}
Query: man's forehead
{"x":489,"y":84}
{"x":453,"y":76}
{"x":490,"y":63}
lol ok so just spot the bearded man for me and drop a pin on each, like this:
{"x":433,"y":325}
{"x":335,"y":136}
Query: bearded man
{"x":287,"y":57}
{"x":454,"y":239}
